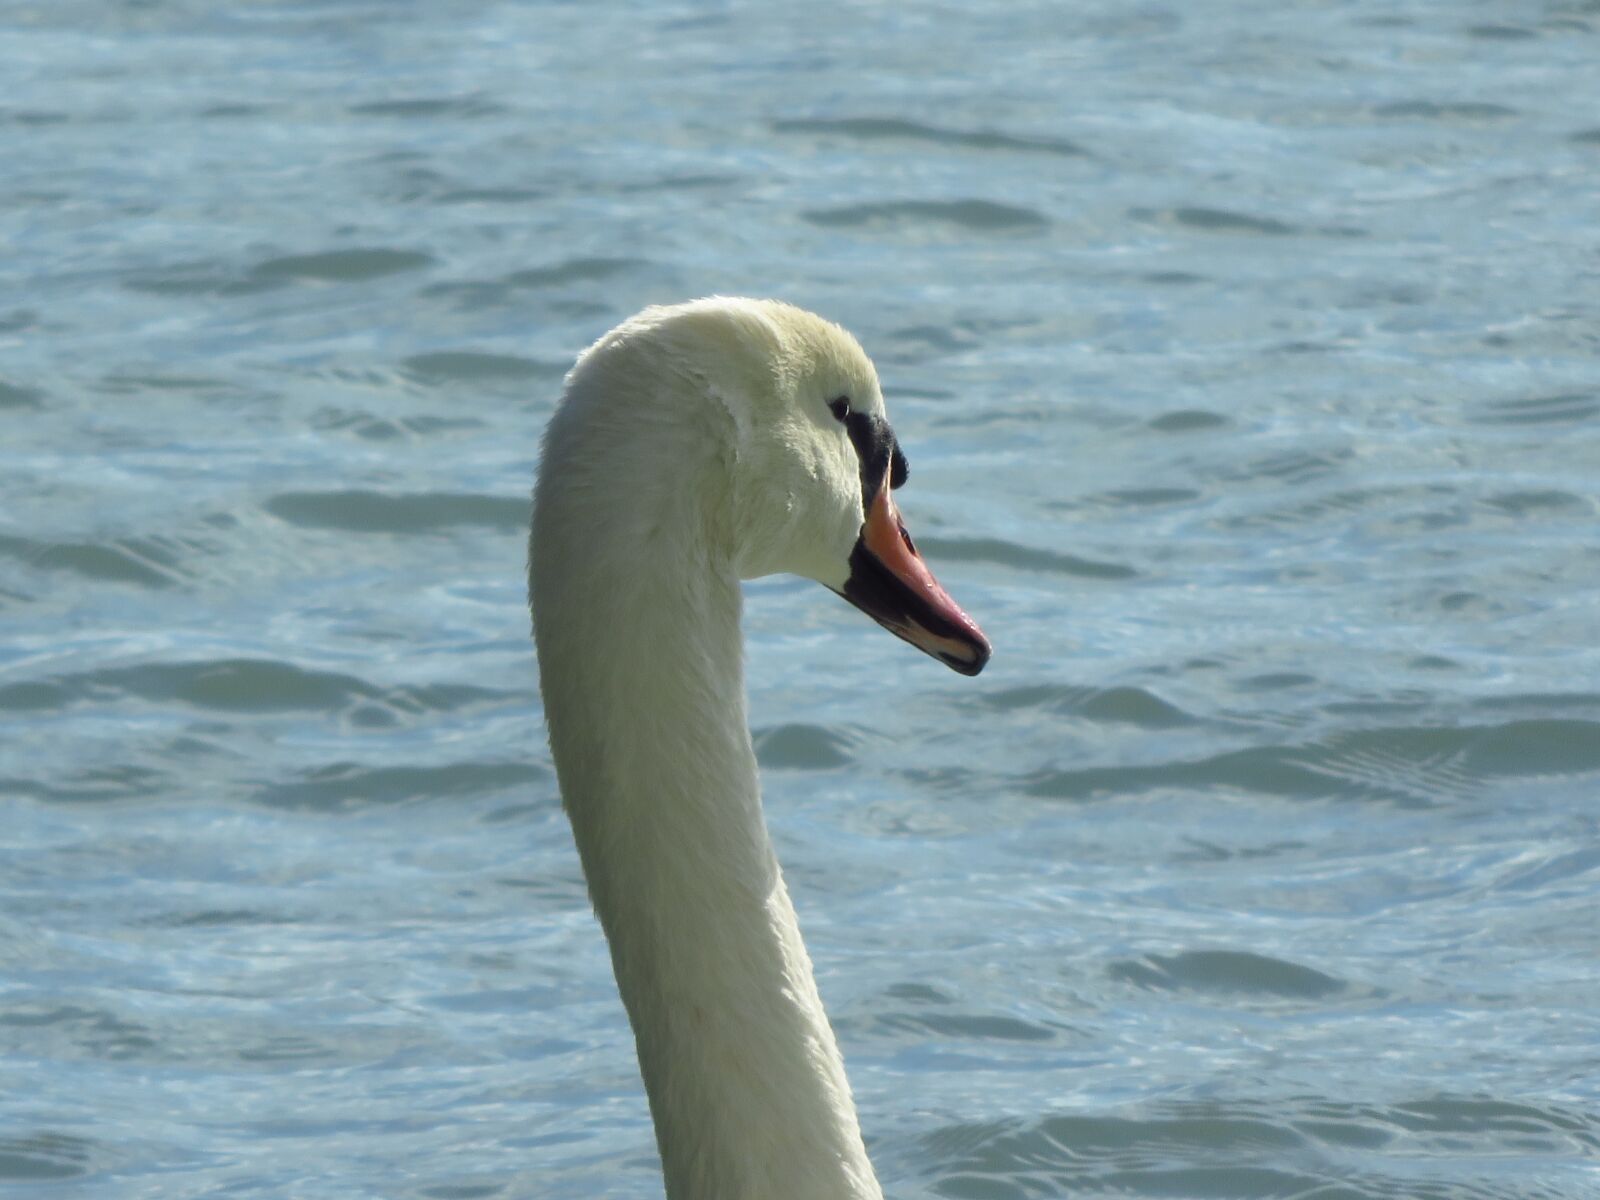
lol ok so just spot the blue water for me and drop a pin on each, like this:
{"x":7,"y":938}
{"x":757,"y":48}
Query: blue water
{"x":1246,"y":359}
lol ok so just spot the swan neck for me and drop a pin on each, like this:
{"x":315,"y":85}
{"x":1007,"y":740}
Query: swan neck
{"x":644,"y":696}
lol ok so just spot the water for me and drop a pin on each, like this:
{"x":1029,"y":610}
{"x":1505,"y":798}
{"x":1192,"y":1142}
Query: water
{"x":1245,"y":356}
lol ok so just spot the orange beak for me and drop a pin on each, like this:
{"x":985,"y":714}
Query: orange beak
{"x":892,"y":585}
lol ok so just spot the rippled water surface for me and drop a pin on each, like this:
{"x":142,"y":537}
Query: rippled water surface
{"x":1245,"y":355}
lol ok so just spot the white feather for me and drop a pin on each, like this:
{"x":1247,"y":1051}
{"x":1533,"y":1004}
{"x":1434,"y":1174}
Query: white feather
{"x":693,"y":447}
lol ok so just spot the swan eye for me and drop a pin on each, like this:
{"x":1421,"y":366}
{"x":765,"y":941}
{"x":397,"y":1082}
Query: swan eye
{"x":839,"y":407}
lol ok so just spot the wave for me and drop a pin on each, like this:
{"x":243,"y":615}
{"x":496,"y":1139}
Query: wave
{"x":1412,"y":766}
{"x":340,"y":787}
{"x":356,"y":511}
{"x":237,"y":685}
{"x":981,"y":216}
{"x":1301,"y":1146}
{"x":896,"y":129}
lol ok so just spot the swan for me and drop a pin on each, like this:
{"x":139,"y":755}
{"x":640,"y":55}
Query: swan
{"x":696,"y":445}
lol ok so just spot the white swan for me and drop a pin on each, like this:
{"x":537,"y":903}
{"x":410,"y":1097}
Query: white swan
{"x":696,"y":446}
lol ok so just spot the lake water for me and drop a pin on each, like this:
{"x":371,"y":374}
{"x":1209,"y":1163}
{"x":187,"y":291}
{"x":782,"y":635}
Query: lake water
{"x":1246,"y":359}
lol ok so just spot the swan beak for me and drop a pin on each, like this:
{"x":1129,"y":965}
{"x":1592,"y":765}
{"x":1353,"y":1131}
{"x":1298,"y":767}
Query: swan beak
{"x":892,"y":585}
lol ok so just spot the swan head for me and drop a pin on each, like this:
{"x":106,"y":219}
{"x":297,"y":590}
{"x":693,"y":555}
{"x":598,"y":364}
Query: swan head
{"x":780,"y":416}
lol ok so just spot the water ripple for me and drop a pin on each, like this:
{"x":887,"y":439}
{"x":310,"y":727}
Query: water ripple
{"x":343,"y":266}
{"x":978,"y":216}
{"x":1412,"y":766}
{"x":1316,"y":1148}
{"x":340,"y":787}
{"x":965,"y":1027}
{"x":145,"y":561}
{"x":440,"y":106}
{"x":1116,"y":705}
{"x":805,"y":747}
{"x":1228,"y":971}
{"x":897,"y":129}
{"x":1562,"y":408}
{"x":571,"y":270}
{"x":1187,"y":421}
{"x":470,"y":366}
{"x":237,"y":686}
{"x":382,"y":512}
{"x":1213,"y":220}
{"x":46,"y":1158}
{"x":13,"y":396}
{"x":1028,"y":558}
{"x":1446,"y":110}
